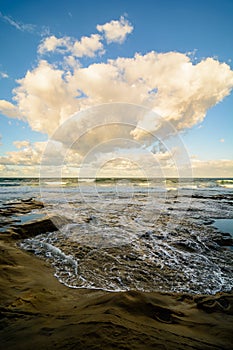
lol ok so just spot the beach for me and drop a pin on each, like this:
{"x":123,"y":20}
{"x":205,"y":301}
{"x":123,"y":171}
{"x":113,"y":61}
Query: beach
{"x":40,"y":311}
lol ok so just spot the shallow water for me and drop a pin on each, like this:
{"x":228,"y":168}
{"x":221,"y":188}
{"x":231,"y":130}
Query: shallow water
{"x":224,"y":225}
{"x":131,"y":234}
{"x":24,"y":218}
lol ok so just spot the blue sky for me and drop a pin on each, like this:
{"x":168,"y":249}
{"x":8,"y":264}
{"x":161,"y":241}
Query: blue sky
{"x":202,"y":28}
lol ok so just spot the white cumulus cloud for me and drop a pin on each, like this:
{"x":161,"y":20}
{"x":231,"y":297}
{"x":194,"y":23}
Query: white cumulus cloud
{"x":52,"y":43}
{"x":116,"y":31}
{"x":168,"y":83}
{"x":86,"y":46}
{"x":45,"y":97}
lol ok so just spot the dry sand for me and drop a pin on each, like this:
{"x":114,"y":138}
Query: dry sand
{"x":37,"y":312}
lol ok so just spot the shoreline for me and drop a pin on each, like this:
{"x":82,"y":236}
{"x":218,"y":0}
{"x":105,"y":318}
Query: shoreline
{"x":37,"y":311}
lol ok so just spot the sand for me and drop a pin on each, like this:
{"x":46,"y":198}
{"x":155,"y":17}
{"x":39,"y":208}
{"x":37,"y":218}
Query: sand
{"x":38,"y":312}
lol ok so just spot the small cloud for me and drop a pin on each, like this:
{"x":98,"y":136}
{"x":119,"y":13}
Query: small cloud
{"x":18,"y":25}
{"x":51,"y":44}
{"x":86,"y":46}
{"x":116,"y":31}
{"x":222,"y":140}
{"x":70,"y":14}
{"x":7,"y":108}
{"x":21,"y":144}
{"x":3,"y":75}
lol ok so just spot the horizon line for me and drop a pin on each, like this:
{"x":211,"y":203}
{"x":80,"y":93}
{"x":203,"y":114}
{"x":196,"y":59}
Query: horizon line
{"x":113,"y":177}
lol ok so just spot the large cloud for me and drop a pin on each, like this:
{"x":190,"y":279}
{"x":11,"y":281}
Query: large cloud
{"x":168,"y":83}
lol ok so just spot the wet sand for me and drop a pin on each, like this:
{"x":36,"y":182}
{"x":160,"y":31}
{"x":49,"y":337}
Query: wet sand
{"x":38,"y":312}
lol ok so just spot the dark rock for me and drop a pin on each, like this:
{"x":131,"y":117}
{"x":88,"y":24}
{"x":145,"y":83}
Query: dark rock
{"x":32,"y":229}
{"x":185,"y":246}
{"x":146,"y":235}
{"x":208,"y":222}
{"x":214,"y":197}
{"x":23,"y":207}
{"x":224,"y":241}
{"x":212,"y":245}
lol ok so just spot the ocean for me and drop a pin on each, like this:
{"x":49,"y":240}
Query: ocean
{"x":121,"y":234}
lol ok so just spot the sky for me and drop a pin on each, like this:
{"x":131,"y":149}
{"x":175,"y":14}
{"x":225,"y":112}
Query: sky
{"x":162,"y":71}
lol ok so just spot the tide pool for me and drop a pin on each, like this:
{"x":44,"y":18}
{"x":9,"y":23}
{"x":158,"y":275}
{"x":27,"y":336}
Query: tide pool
{"x":224,"y":225}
